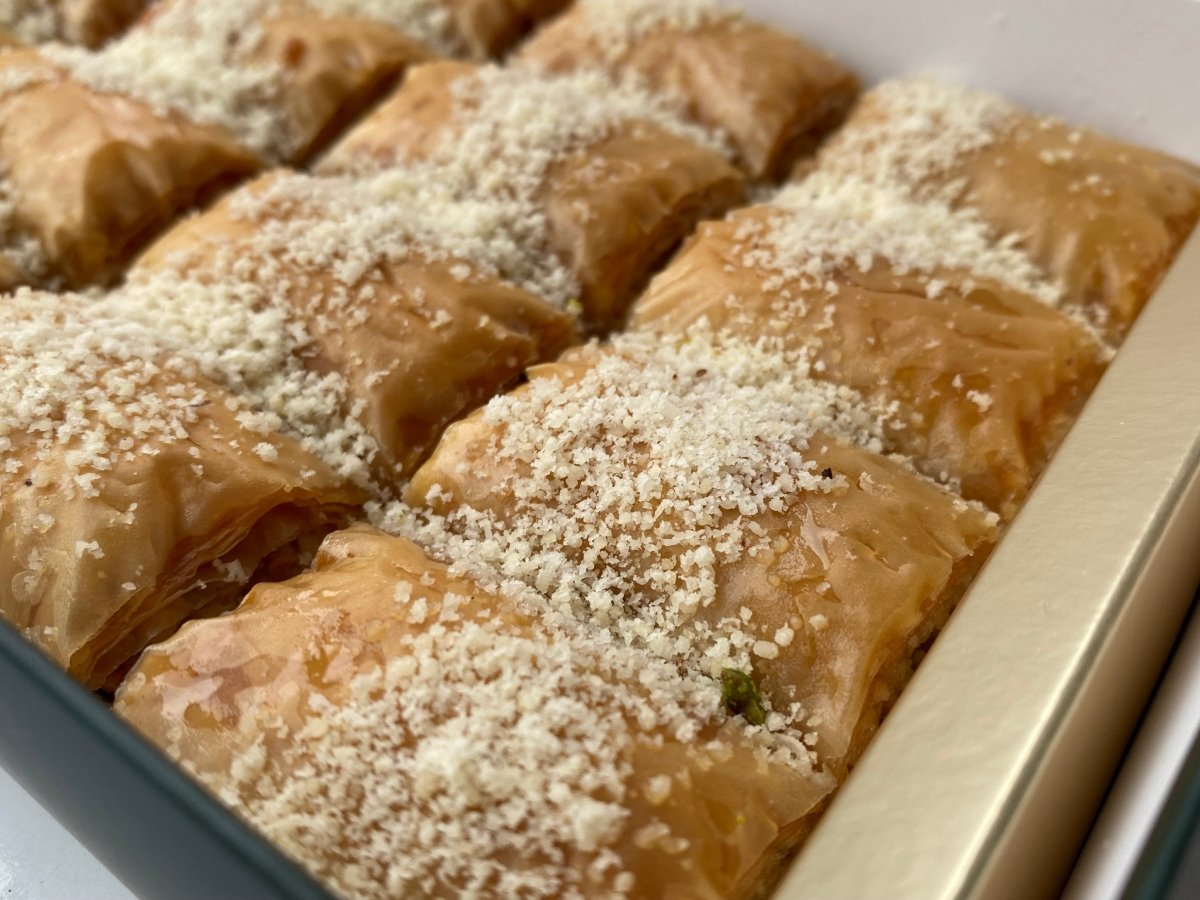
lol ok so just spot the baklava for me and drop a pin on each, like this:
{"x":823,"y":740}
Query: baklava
{"x":603,"y":177}
{"x":373,"y":287}
{"x":403,"y":732}
{"x":910,"y":304}
{"x":1101,"y":218}
{"x":136,"y":493}
{"x":121,"y":172}
{"x":624,"y":556}
{"x":771,"y":94}
{"x":197,"y":95}
{"x":702,"y":498}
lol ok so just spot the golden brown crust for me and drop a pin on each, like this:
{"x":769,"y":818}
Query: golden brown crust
{"x":93,"y":578}
{"x":426,"y":347}
{"x":615,"y":208}
{"x":771,"y":94}
{"x":409,"y":125}
{"x":1103,"y":218}
{"x":856,"y":572}
{"x":987,"y":377}
{"x":334,"y":69}
{"x":247,"y":682}
{"x":121,"y":173}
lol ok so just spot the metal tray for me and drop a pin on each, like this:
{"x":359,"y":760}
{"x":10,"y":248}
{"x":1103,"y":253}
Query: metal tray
{"x":133,"y":808}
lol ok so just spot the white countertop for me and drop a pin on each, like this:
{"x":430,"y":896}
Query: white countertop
{"x":40,"y":860}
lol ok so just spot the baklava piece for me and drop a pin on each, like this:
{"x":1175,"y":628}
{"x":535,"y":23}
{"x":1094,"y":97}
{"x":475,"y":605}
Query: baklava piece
{"x":134,"y":492}
{"x":403,"y":732}
{"x":390,"y":302}
{"x":773,"y":96}
{"x":88,"y":22}
{"x":910,"y":304}
{"x":1102,"y":218}
{"x":702,"y":499}
{"x":604,"y":178}
{"x":86,"y":177}
{"x":281,"y":76}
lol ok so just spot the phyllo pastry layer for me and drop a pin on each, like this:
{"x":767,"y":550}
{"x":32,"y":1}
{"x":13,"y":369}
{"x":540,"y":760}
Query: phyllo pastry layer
{"x":703,"y":499}
{"x":604,"y":178}
{"x":404,"y":732}
{"x":769,"y":93}
{"x":910,"y":304}
{"x":282,"y":76}
{"x":1102,"y":218}
{"x":121,"y":172}
{"x":378,"y":296}
{"x":135,"y":491}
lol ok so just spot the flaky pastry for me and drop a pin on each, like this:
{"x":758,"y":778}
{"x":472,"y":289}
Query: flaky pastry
{"x":1102,"y":218}
{"x":608,"y":180}
{"x":403,"y":732}
{"x":135,"y":492}
{"x":909,"y":304}
{"x":705,"y":499}
{"x":770,"y":93}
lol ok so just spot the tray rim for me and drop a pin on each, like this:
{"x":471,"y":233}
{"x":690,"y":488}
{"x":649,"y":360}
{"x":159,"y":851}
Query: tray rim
{"x":1015,"y":833}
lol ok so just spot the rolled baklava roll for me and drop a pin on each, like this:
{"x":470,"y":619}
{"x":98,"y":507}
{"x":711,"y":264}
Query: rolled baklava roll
{"x":771,"y":94}
{"x":89,"y":22}
{"x":120,"y":172}
{"x":134,"y":492}
{"x":402,"y":731}
{"x":603,"y":177}
{"x":1102,"y":218}
{"x":703,"y":499}
{"x":282,"y":76}
{"x":385,"y":294}
{"x":910,"y":304}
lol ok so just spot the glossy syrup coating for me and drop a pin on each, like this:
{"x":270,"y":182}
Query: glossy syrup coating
{"x":134,"y":495}
{"x":403,"y":732}
{"x":770,"y":93}
{"x":822,"y":580}
{"x":615,"y":190}
{"x":1102,"y":218}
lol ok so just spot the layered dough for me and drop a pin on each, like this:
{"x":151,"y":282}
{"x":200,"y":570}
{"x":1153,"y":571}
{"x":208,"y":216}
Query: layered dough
{"x":610,"y":188}
{"x":418,"y":335}
{"x":134,"y":495}
{"x":402,"y":731}
{"x":192,"y":99}
{"x":755,"y":542}
{"x":771,"y":94}
{"x":908,"y":306}
{"x":121,"y":172}
{"x":1102,"y":218}
{"x":282,"y":76}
